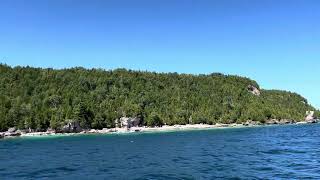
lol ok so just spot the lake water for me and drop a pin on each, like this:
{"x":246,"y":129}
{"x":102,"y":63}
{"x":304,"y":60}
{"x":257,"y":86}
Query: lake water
{"x":277,"y":152}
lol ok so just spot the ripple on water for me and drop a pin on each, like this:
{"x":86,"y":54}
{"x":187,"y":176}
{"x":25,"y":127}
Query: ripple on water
{"x":157,"y":176}
{"x":280,"y":152}
{"x":44,"y":172}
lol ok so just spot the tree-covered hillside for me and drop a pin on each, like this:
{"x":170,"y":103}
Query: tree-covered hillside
{"x":41,"y":98}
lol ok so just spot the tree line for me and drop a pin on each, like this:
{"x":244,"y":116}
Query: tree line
{"x":39,"y":98}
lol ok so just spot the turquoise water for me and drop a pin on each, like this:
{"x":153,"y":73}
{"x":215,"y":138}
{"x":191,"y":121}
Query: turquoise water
{"x":278,"y":152}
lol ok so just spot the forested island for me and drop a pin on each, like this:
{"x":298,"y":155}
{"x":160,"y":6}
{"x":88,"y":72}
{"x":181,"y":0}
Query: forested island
{"x":37,"y":99}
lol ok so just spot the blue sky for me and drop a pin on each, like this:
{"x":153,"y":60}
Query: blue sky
{"x":275,"y":42}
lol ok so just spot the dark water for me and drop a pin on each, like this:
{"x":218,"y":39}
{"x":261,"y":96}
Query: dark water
{"x":279,"y":152}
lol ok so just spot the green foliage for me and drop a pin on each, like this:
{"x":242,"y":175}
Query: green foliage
{"x":83,"y":115}
{"x":154,"y":120}
{"x":317,"y":114}
{"x":40,"y":98}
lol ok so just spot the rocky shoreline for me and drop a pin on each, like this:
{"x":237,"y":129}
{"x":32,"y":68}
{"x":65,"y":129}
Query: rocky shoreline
{"x":13,"y":132}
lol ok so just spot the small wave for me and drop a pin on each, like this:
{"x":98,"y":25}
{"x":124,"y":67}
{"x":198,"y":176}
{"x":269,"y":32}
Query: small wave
{"x":273,"y":151}
{"x":154,"y":176}
{"x":283,"y":151}
{"x":49,"y":171}
{"x":264,"y":169}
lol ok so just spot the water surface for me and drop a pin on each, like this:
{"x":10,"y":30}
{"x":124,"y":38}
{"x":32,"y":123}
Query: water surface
{"x":278,"y":152}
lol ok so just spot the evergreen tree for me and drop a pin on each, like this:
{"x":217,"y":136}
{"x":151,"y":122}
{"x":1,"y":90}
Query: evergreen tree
{"x":41,"y":98}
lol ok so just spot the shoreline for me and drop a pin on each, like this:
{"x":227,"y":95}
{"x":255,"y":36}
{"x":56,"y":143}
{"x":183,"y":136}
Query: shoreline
{"x":164,"y":128}
{"x":137,"y":130}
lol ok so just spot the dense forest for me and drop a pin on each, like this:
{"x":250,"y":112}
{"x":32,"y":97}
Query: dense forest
{"x":41,"y":98}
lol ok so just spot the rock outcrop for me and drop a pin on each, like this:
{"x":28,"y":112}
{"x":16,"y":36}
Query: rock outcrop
{"x":71,"y":126}
{"x":286,"y":121}
{"x":128,"y":122}
{"x":271,"y":121}
{"x":281,"y":121}
{"x":252,"y":123}
{"x":11,"y":132}
{"x":254,"y":90}
{"x":310,"y":117}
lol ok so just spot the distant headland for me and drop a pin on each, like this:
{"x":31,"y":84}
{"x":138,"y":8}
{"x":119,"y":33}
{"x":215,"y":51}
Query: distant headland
{"x":36,"y":100}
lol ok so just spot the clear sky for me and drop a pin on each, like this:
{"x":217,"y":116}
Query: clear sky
{"x":275,"y":42}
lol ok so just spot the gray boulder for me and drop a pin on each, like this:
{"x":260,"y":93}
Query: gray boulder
{"x":128,"y":122}
{"x":11,"y":134}
{"x":71,"y":126}
{"x":12,"y":130}
{"x":272,"y":121}
{"x":286,"y":121}
{"x":252,"y":123}
{"x":281,"y":121}
{"x":135,"y":122}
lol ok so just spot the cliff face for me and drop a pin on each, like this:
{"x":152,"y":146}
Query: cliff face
{"x":40,"y":98}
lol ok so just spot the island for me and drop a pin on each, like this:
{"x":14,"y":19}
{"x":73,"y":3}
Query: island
{"x":37,"y":101}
